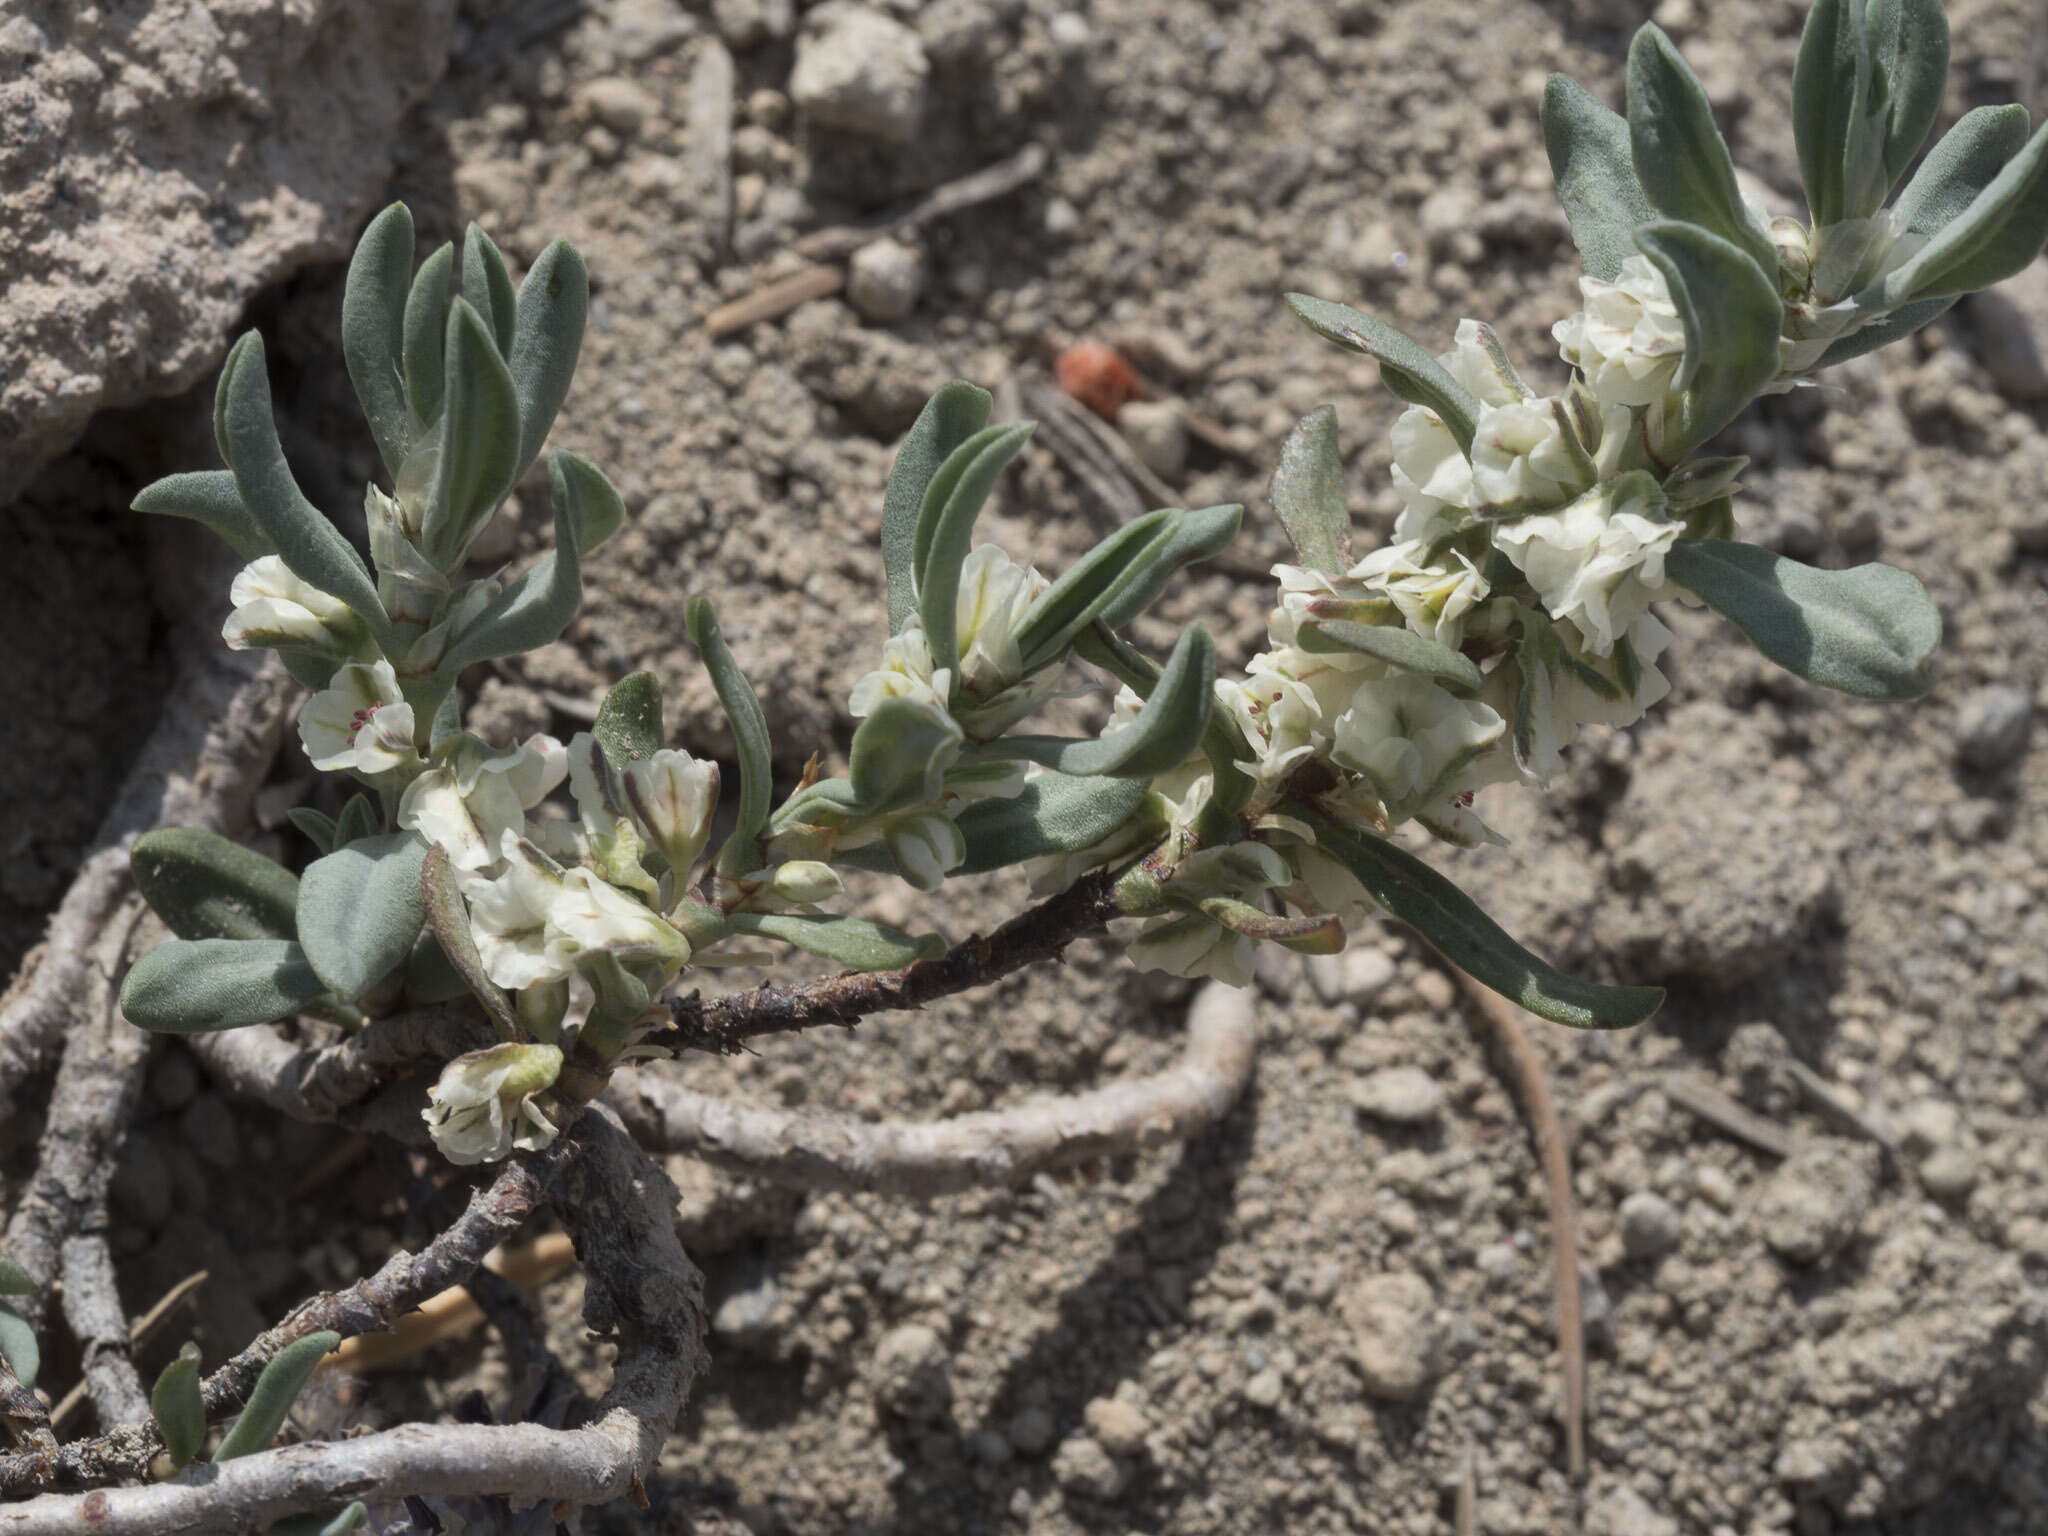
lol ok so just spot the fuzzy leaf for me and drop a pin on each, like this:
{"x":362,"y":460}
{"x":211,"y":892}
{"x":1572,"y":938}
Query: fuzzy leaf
{"x":317,"y":827}
{"x":1401,"y":648}
{"x":749,"y":734}
{"x":1452,"y":924}
{"x":1308,"y":494}
{"x":373,"y":330}
{"x":480,"y":439}
{"x":14,"y":1280}
{"x":487,"y":285}
{"x":1166,"y":731}
{"x":945,"y":529}
{"x":360,"y":818}
{"x":1870,"y":630}
{"x":1085,"y":588}
{"x":270,"y":1403}
{"x":547,"y":338}
{"x":949,"y":418}
{"x":1407,"y":370}
{"x":628,"y":724}
{"x":1828,"y":81}
{"x":1909,"y":45}
{"x":1196,"y":535}
{"x":1680,"y":158}
{"x":425,"y":349}
{"x":1594,"y":167}
{"x":205,"y":886}
{"x":195,"y":986}
{"x":179,"y":1409}
{"x":448,"y":923}
{"x":360,"y":909}
{"x":208,"y":496}
{"x":537,"y":607}
{"x":1322,"y":935}
{"x":310,"y":546}
{"x":1965,"y":161}
{"x":1732,"y":320}
{"x":2000,"y":232}
{"x":18,"y":1346}
{"x":1052,"y":814}
{"x":853,"y":942}
{"x":900,"y":754}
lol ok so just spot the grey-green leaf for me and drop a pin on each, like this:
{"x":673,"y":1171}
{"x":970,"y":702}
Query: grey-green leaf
{"x":205,"y":886}
{"x":954,"y":414}
{"x":487,"y":285}
{"x":1308,"y":493}
{"x":373,"y":330}
{"x":900,"y":754}
{"x":195,"y":986}
{"x":1680,"y":158}
{"x":18,"y":1346}
{"x":14,"y":1280}
{"x":178,"y":1407}
{"x":1401,"y":648}
{"x":2001,"y":231}
{"x":1408,"y":370}
{"x":554,"y":302}
{"x":208,"y":496}
{"x":1196,"y":535}
{"x":480,"y":439}
{"x":426,"y":335}
{"x":317,"y":826}
{"x":1909,"y":45}
{"x":1882,"y":333}
{"x":310,"y":546}
{"x":360,"y":818}
{"x":945,"y":529}
{"x":430,"y":976}
{"x":1963,"y":162}
{"x":1087,"y":587}
{"x":597,"y":510}
{"x":1732,"y":319}
{"x":1052,"y":814}
{"x":628,"y":724}
{"x":1828,"y":81}
{"x":276,"y":1390}
{"x":853,"y":942}
{"x":1451,"y":923}
{"x":1869,"y":630}
{"x":537,"y":607}
{"x":448,"y":922}
{"x":1594,"y":167}
{"x":1166,"y":731}
{"x":749,"y":733}
{"x":360,"y":909}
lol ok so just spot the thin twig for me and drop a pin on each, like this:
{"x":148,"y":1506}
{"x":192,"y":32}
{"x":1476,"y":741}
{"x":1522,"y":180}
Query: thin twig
{"x":1465,"y":1514}
{"x":1532,"y":1087}
{"x":92,"y":1310}
{"x":725,"y":1025}
{"x":1724,"y":1114}
{"x":144,"y":1329}
{"x":969,"y":191}
{"x":774,"y":301}
{"x":642,"y":1289}
{"x":993,"y":1149}
{"x":456,"y":1312}
{"x":1836,"y":1106}
{"x":1047,"y":402}
{"x":200,"y":767}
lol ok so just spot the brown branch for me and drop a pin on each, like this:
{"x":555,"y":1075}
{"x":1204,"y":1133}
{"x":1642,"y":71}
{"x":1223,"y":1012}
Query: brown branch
{"x":1532,"y":1087}
{"x":642,"y":1289}
{"x":374,"y":1302}
{"x":200,"y":767}
{"x":92,"y":1310}
{"x":1001,"y":1147}
{"x":724,"y":1025}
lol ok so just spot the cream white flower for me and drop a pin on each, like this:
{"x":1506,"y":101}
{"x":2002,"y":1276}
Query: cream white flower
{"x":590,"y":915}
{"x":1522,"y":457}
{"x":1193,"y":946}
{"x":1478,"y":362}
{"x":1561,"y":699}
{"x":906,"y":672}
{"x":1628,"y":340}
{"x":1412,"y":740}
{"x":482,"y":1109}
{"x":470,"y":800}
{"x":1434,"y":599}
{"x":1600,"y":561}
{"x":508,"y":915}
{"x":995,"y":594}
{"x":1430,"y":474}
{"x":360,"y":722}
{"x":1278,"y":716}
{"x":674,"y":795}
{"x":273,"y":607}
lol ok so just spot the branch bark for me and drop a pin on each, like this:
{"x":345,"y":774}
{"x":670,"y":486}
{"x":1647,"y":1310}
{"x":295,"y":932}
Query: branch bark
{"x":1000,"y":1147}
{"x":200,"y":767}
{"x":93,"y":1312}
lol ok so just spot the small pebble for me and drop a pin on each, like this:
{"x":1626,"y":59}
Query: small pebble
{"x":1394,"y":1341}
{"x":913,"y":1372}
{"x":1083,"y":1466}
{"x":1651,"y":1226}
{"x":1157,"y":431}
{"x":1029,"y":1431}
{"x":1070,"y":32}
{"x":1263,"y":1390}
{"x":1927,"y":1124}
{"x":620,"y":105}
{"x":1817,"y":1198}
{"x":1991,"y":727}
{"x":1400,"y":1095}
{"x":1118,"y":1427}
{"x":1714,"y":1187}
{"x":884,"y":280}
{"x":1949,"y":1173}
{"x":860,"y":72}
{"x":174,"y":1079}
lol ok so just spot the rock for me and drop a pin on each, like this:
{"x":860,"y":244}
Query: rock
{"x":744,"y":23}
{"x":1264,"y":1389}
{"x":1157,"y":431}
{"x":1070,"y":33}
{"x":1816,"y":1200}
{"x":1029,"y":1431}
{"x":1991,"y":727}
{"x":1926,"y":1124}
{"x":1651,"y":1226}
{"x":1394,"y":1341}
{"x":2008,"y":328}
{"x":913,"y":1372}
{"x":141,"y":1188}
{"x":959,"y":33}
{"x":1118,"y":1427}
{"x":620,"y":105}
{"x":1624,"y":1512}
{"x":884,"y":280}
{"x":1760,"y":1062}
{"x":1950,"y":1173}
{"x":160,"y":170}
{"x":1715,"y":1187}
{"x":1399,"y":1095}
{"x":746,"y":1318}
{"x":859,"y":72}
{"x":208,"y":1127}
{"x":1905,"y":1402}
{"x":1082,"y":1466}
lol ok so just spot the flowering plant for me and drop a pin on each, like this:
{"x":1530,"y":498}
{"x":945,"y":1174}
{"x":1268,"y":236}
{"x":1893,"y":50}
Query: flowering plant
{"x":1514,"y":606}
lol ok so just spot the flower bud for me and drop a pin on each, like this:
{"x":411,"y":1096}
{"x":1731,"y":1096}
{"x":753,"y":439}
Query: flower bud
{"x":482,"y":1109}
{"x":805,"y":882}
{"x":674,"y":794}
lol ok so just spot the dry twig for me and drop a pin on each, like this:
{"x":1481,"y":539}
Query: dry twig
{"x":774,"y":300}
{"x":92,"y":1310}
{"x":1001,"y":1147}
{"x":1532,"y":1087}
{"x":957,"y":196}
{"x":1724,"y":1114}
{"x":143,"y":1330}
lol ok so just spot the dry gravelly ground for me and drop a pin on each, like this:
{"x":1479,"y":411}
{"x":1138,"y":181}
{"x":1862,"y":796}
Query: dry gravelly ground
{"x":1181,"y":1343}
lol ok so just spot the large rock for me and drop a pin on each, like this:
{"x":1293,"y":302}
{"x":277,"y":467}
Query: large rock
{"x":160,"y":163}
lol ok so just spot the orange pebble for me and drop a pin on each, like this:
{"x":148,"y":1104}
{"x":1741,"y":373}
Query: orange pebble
{"x":1097,"y":375}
